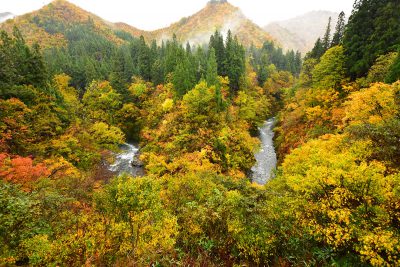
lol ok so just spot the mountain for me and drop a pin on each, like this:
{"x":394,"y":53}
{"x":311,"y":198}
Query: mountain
{"x":288,"y":39}
{"x":300,"y":33}
{"x":5,"y":16}
{"x":49,"y":25}
{"x":217,"y":15}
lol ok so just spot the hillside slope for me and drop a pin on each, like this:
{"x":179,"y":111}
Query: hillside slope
{"x":217,"y":15}
{"x":300,"y":33}
{"x":5,"y":16}
{"x":48,"y":25}
{"x":288,"y":39}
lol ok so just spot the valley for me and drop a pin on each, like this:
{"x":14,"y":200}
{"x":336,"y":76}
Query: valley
{"x":211,"y":142}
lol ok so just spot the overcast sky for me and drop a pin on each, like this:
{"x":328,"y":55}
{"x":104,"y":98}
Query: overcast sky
{"x":154,"y":14}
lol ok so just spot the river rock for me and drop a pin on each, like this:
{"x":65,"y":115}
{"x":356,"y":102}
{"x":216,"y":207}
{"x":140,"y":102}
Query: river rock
{"x":136,"y":162}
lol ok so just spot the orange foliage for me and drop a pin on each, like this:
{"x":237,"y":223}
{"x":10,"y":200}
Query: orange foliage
{"x":33,"y":25}
{"x":21,"y":170}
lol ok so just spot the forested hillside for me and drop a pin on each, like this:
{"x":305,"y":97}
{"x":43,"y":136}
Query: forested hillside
{"x":219,"y":15}
{"x":50,"y":24}
{"x":73,"y":95}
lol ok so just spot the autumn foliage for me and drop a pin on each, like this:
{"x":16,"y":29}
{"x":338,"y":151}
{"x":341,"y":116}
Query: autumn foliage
{"x":21,"y":170}
{"x":195,"y":113}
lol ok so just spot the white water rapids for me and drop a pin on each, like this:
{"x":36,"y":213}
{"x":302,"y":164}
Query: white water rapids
{"x":266,"y":156}
{"x":124,"y":161}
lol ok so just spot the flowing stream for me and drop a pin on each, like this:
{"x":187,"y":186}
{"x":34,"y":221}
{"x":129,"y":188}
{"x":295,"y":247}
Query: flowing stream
{"x":266,"y":156}
{"x":127,"y":161}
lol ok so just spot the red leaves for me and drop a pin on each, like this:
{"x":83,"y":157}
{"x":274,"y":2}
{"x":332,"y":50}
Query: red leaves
{"x":21,"y":170}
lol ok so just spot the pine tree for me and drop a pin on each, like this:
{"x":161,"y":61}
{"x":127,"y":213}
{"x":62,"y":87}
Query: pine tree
{"x":298,"y":64}
{"x":201,"y":63}
{"x":157,"y":63}
{"x":183,"y":79}
{"x":317,"y":51}
{"x":217,"y":42}
{"x":8,"y":73}
{"x":339,"y":30}
{"x":144,"y":60}
{"x":19,"y":63}
{"x":129,"y":68}
{"x":157,"y":72}
{"x":326,"y":41}
{"x":173,"y":52}
{"x":37,"y":74}
{"x":212,"y":72}
{"x":234,"y":62}
{"x":373,"y":29}
{"x":117,"y":76}
{"x":188,"y":49}
{"x":290,"y":61}
{"x":263,"y":69}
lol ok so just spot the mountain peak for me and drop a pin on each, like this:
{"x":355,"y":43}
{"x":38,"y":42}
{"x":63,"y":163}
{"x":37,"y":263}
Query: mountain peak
{"x":213,"y":2}
{"x":5,"y":16}
{"x":216,"y":15}
{"x":66,"y":11}
{"x":301,"y":32}
{"x":61,"y":4}
{"x":47,"y":25}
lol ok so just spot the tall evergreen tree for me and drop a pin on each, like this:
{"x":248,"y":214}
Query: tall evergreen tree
{"x":234,"y":62}
{"x":173,"y":52}
{"x":212,"y":71}
{"x":212,"y":78}
{"x":183,"y":78}
{"x":290,"y":61}
{"x":157,"y":72}
{"x":339,"y":30}
{"x":117,"y":77}
{"x":201,"y":63}
{"x":217,"y":42}
{"x":373,"y":29}
{"x":19,"y":63}
{"x":298,"y":63}
{"x":317,"y":51}
{"x":261,"y":59}
{"x":144,"y":60}
{"x":188,"y":49}
{"x":326,"y":41}
{"x":262,"y":73}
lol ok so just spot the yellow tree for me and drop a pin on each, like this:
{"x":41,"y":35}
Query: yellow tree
{"x":330,"y":71}
{"x":344,"y":200}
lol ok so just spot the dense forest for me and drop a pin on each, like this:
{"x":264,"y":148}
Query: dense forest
{"x":195,"y":110}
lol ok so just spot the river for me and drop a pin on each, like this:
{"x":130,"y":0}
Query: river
{"x":126,"y":161}
{"x":266,"y":159}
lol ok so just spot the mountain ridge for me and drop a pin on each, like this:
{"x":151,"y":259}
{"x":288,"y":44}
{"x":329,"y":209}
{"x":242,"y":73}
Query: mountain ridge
{"x":301,"y":32}
{"x":5,"y":16}
{"x":47,"y":24}
{"x":224,"y":17}
{"x":216,"y":15}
